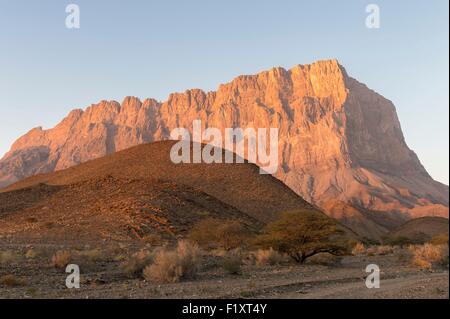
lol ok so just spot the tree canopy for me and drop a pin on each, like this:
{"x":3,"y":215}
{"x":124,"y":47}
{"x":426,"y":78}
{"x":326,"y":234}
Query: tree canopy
{"x":302,"y":234}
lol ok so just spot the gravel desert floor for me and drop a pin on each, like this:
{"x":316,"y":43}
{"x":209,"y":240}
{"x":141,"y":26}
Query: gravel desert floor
{"x":31,"y":275}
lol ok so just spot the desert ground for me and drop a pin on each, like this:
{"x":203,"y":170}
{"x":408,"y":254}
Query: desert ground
{"x":27,"y":272}
{"x":122,"y":219}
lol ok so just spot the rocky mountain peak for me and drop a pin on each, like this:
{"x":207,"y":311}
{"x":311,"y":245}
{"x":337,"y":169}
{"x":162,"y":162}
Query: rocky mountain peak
{"x":340,"y":143}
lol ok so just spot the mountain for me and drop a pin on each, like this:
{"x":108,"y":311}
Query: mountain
{"x":421,"y":229}
{"x":340,"y":144}
{"x":137,"y":192}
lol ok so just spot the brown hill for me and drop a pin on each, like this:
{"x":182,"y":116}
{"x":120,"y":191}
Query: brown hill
{"x":339,"y":141}
{"x":137,"y":192}
{"x":355,"y":218}
{"x":422,"y":229}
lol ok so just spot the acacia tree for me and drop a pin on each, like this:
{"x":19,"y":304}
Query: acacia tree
{"x":302,"y":234}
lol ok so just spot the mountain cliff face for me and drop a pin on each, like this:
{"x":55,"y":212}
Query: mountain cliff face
{"x":341,"y":146}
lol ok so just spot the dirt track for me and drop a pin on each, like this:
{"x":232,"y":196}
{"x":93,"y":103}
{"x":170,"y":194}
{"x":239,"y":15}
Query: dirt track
{"x":414,"y":286}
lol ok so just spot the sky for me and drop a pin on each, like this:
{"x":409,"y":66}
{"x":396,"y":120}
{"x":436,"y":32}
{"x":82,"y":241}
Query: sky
{"x":152,"y":48}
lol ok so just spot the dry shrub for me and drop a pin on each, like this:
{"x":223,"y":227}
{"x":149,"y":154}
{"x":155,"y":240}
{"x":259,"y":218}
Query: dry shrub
{"x":165,"y":269}
{"x":232,"y":263}
{"x":427,"y":255}
{"x":267,"y":257}
{"x":11,"y":281}
{"x":218,"y":252}
{"x":119,"y":257}
{"x":92,"y":255}
{"x":439,"y":240}
{"x":31,"y":254}
{"x":404,"y":255}
{"x":134,"y":266}
{"x":8,"y":257}
{"x":189,"y":255}
{"x":359,"y":249}
{"x":61,"y":258}
{"x":444,"y":262}
{"x":325,"y":259}
{"x":384,"y":250}
{"x":379,"y":250}
{"x":371,"y":251}
{"x":170,"y":266}
{"x":213,"y":233}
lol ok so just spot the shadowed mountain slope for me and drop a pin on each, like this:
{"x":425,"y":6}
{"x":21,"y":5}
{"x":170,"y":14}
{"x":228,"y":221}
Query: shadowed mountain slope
{"x":423,"y":228}
{"x":139,"y":191}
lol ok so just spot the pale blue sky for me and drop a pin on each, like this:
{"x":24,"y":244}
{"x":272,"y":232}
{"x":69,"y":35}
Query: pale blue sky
{"x":151,"y":48}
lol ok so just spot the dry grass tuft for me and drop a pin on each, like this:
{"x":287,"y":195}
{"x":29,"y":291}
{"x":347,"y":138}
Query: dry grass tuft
{"x":380,"y":250}
{"x":61,"y":259}
{"x":220,"y":252}
{"x":440,"y":240}
{"x":11,"y":281}
{"x":359,"y":249}
{"x":165,"y":269}
{"x":31,"y":253}
{"x":427,"y":255}
{"x":134,"y":266}
{"x":8,"y":257}
{"x":171,"y":266}
{"x":267,"y":257}
{"x":384,"y":250}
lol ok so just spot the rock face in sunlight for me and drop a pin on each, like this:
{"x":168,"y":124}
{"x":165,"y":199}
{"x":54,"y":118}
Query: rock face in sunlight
{"x":341,"y":146}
